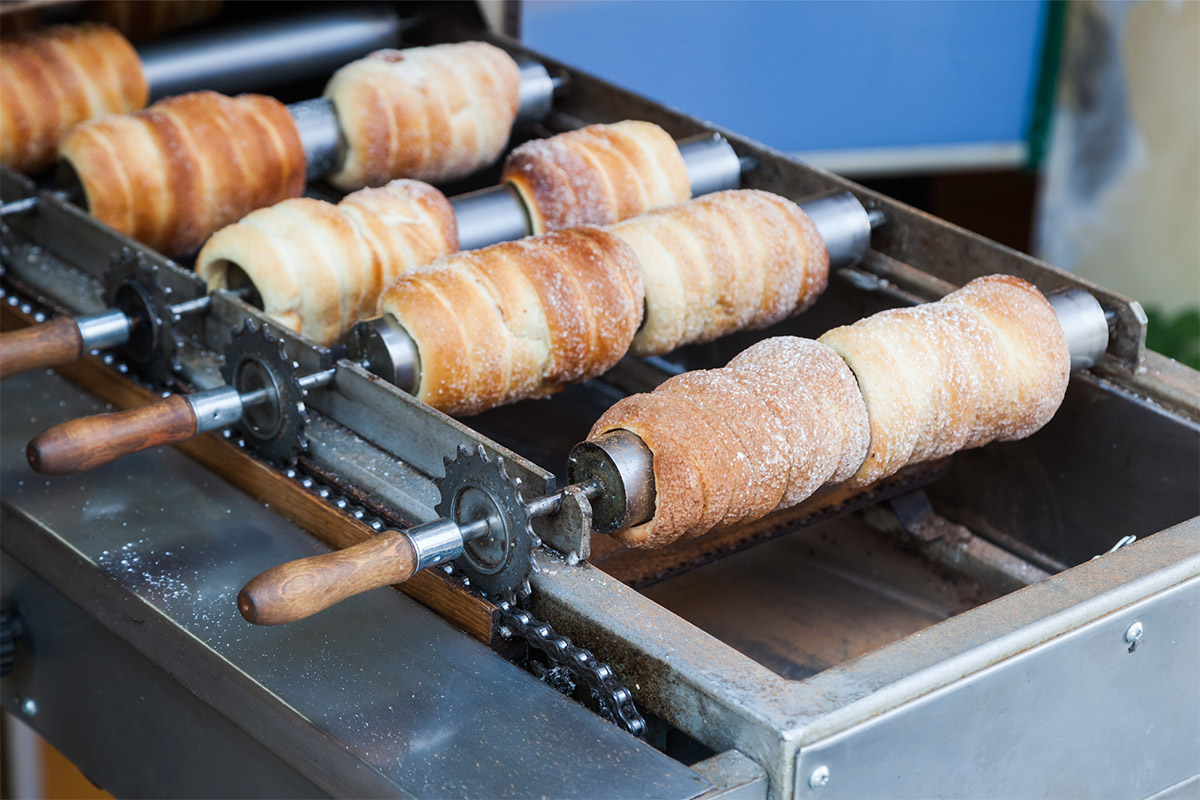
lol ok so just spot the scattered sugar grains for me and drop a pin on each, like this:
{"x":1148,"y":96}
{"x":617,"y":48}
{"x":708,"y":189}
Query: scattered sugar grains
{"x":163,"y":577}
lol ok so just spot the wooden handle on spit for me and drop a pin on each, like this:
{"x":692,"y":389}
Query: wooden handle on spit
{"x":301,"y":588}
{"x":46,"y":345}
{"x":88,"y":442}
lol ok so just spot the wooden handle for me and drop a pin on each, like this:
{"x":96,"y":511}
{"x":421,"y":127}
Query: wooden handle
{"x":301,"y":588}
{"x":88,"y":442}
{"x":46,"y":345}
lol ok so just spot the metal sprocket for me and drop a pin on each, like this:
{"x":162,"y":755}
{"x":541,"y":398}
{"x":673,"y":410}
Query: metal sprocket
{"x":256,"y":359}
{"x":477,"y":485}
{"x":134,"y":286}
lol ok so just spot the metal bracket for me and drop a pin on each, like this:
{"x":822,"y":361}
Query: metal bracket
{"x":569,"y":531}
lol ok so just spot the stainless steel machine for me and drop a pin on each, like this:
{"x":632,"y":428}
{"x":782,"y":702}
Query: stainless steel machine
{"x":974,"y":627}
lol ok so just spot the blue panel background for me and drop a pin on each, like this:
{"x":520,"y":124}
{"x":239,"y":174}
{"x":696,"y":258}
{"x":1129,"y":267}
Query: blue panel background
{"x":814,"y":75}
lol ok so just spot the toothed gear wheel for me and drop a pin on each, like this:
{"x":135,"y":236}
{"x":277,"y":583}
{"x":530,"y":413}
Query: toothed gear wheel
{"x":477,"y":486}
{"x":136,"y":288}
{"x":256,"y":359}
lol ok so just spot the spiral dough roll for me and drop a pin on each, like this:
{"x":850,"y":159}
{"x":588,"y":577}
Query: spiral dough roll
{"x":988,"y":362}
{"x":174,"y":173}
{"x":731,"y":444}
{"x":598,"y":175}
{"x":518,"y":319}
{"x":320,"y":267}
{"x":54,"y":78}
{"x":985,"y":363}
{"x":729,"y":261}
{"x":430,"y":113}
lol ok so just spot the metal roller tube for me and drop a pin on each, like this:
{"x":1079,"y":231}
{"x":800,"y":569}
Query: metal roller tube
{"x":1084,"y":324}
{"x":320,"y":135}
{"x":268,"y":53}
{"x":624,"y":467}
{"x":537,"y":91}
{"x":385,"y":349}
{"x":489,"y":216}
{"x":845,"y":225}
{"x":712,"y":165}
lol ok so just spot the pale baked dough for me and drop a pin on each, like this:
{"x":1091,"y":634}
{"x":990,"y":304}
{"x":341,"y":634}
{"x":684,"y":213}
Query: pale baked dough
{"x":431,"y":113}
{"x":320,"y":267}
{"x":987,"y":362}
{"x":729,"y":261}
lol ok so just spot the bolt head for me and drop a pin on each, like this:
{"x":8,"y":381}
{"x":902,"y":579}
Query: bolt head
{"x":29,"y":707}
{"x":1133,"y":634}
{"x":819,"y":777}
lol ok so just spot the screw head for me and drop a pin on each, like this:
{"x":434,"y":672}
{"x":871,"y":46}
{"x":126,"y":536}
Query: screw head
{"x":1133,"y":634}
{"x":819,"y":777}
{"x":29,"y":707}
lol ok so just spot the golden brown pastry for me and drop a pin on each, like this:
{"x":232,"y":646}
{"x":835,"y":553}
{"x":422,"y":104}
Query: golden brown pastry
{"x":319,"y":267}
{"x":430,"y":113}
{"x":731,"y":444}
{"x":174,"y":173}
{"x":147,"y":19}
{"x":598,"y":175}
{"x":518,"y":319}
{"x":59,"y":76}
{"x":728,"y":261}
{"x":988,"y":362}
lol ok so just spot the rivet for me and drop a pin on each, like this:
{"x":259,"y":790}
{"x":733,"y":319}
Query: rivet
{"x":819,"y":777}
{"x":1133,"y":635}
{"x":29,"y":707}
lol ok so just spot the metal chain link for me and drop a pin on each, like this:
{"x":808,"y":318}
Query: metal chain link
{"x":615,"y":700}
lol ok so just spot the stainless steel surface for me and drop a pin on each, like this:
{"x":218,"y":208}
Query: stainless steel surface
{"x":625,"y":468}
{"x":81,"y":671}
{"x":155,"y":549}
{"x":102,"y":331}
{"x":216,"y":408}
{"x":730,"y":701}
{"x":488,"y":216}
{"x":1083,"y":714}
{"x":384,"y":348}
{"x":712,"y":165}
{"x":844,"y":225}
{"x":320,"y":135}
{"x":260,"y":55}
{"x":1083,"y":323}
{"x":536,"y":94}
{"x":435,"y":542}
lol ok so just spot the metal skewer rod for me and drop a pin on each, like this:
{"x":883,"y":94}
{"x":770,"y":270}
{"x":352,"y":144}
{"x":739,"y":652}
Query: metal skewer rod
{"x":301,"y":588}
{"x":65,"y":339}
